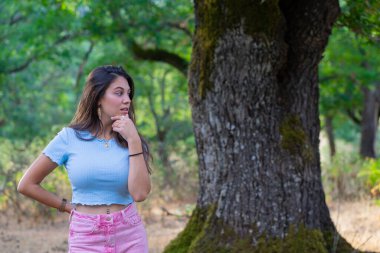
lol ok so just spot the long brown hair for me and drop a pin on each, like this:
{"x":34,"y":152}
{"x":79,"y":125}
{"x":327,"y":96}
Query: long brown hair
{"x":86,"y":116}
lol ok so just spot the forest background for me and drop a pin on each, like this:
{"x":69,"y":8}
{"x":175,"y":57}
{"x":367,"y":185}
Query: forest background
{"x":48,"y":47}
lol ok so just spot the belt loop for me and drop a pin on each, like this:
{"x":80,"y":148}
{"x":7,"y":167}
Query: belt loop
{"x":133,"y":208}
{"x":123,"y":213}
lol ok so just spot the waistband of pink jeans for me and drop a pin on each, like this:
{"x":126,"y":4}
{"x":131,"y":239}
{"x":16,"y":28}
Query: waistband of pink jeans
{"x":128,"y":211}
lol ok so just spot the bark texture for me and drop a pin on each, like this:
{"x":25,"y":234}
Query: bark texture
{"x":254,"y":93}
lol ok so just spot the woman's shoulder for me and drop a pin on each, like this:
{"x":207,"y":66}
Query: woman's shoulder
{"x":71,"y":132}
{"x":66,"y":132}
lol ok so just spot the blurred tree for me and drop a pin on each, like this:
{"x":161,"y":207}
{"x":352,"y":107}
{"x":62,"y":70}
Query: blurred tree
{"x":350,"y":86}
{"x":349,"y":82}
{"x":164,"y":95}
{"x":41,"y":42}
{"x":147,"y":28}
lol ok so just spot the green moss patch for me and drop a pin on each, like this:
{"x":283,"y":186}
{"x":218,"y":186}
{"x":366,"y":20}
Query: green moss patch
{"x":294,"y":138}
{"x":205,"y":233}
{"x":192,"y":230}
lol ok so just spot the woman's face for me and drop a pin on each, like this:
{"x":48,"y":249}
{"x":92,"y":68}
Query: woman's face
{"x":116,"y":99}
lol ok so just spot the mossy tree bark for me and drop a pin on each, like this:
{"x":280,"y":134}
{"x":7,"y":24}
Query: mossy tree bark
{"x":254,"y":94}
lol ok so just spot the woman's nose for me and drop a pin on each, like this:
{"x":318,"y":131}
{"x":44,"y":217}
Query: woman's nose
{"x":126,"y":99}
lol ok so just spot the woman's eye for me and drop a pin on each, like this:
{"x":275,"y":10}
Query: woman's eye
{"x":119,"y":93}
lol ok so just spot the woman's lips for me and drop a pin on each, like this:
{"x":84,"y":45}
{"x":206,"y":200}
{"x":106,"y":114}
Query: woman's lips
{"x":124,"y":111}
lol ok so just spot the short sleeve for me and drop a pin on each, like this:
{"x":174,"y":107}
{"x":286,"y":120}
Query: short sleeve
{"x":57,"y":149}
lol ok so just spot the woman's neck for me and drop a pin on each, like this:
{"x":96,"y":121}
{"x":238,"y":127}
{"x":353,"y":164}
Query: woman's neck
{"x":106,"y":131}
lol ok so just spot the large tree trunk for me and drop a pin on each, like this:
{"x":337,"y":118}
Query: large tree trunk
{"x":369,"y":123}
{"x":254,"y":95}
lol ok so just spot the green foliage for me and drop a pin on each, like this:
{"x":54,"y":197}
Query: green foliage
{"x":46,"y":41}
{"x":348,"y":64}
{"x":32,"y":31}
{"x":362,"y":17}
{"x":370,"y":171}
{"x":162,"y":99}
{"x":345,"y":130}
{"x":147,"y":22}
{"x":15,"y":157}
{"x":37,"y":62}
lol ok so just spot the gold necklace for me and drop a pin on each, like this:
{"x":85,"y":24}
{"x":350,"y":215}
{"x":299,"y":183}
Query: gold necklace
{"x":106,"y":143}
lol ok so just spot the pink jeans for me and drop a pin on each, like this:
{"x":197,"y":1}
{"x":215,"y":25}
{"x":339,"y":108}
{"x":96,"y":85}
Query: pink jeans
{"x":118,"y":232}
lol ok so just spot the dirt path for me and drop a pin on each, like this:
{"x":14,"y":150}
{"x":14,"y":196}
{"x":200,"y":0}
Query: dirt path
{"x":358,"y":222}
{"x":49,"y":238}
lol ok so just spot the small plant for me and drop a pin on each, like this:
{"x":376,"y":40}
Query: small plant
{"x":340,"y":177}
{"x":370,"y":171}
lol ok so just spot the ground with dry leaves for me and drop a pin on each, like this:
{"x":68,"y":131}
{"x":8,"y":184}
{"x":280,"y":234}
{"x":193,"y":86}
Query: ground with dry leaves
{"x":358,"y":222}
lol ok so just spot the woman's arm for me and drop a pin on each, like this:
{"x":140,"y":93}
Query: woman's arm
{"x":29,"y":184}
{"x":138,"y":180}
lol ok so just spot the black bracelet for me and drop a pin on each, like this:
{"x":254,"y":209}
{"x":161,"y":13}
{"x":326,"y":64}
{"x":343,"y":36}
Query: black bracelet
{"x":61,"y":208}
{"x":136,"y":154}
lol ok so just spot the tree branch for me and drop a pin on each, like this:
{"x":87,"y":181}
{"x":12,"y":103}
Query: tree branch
{"x":80,"y":70}
{"x":15,"y":18}
{"x":350,"y":113}
{"x":37,"y":55}
{"x":2,"y":122}
{"x":163,"y":87}
{"x":377,"y":92}
{"x":22,"y":66}
{"x":327,"y":78}
{"x":139,"y":52}
{"x":155,"y":115}
{"x":180,"y":26}
{"x":161,"y":56}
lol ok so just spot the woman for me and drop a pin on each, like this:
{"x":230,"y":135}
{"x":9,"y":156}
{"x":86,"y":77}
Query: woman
{"x":107,"y":164}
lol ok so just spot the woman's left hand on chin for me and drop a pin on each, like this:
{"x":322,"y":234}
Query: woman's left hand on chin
{"x":125,"y":127}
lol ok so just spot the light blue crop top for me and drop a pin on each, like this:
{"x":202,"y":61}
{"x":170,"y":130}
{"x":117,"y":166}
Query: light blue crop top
{"x":98,"y":175}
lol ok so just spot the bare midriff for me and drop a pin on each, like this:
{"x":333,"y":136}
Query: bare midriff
{"x":99,"y":209}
